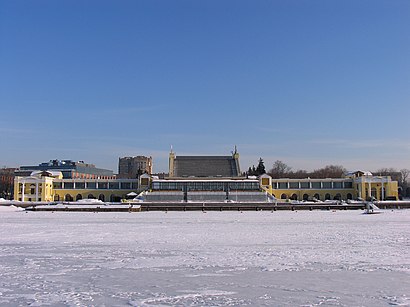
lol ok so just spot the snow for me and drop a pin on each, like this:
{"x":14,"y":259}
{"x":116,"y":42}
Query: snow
{"x":10,"y":208}
{"x":282,"y":258}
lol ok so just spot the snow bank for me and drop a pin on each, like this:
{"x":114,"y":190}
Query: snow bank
{"x":10,"y":208}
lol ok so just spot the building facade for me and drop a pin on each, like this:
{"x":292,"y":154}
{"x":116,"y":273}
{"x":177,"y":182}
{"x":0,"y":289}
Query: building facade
{"x":133,"y":167}
{"x":50,"y":186}
{"x":356,"y":185}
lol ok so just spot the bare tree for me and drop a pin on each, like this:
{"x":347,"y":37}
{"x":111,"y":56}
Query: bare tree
{"x":404,"y":183}
{"x":279,"y":169}
{"x":404,"y":174}
{"x":329,"y":171}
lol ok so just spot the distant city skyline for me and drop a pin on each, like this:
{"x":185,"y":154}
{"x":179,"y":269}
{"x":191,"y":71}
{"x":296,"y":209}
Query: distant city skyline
{"x":310,"y":83}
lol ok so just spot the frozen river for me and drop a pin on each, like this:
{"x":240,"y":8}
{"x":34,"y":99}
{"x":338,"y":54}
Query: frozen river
{"x":285,"y":258}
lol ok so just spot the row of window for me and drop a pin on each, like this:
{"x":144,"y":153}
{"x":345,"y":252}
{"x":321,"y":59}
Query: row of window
{"x":205,"y":186}
{"x":96,"y":186}
{"x":313,"y":185}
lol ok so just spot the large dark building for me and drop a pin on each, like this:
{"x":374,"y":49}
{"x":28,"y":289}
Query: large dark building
{"x":70,"y":169}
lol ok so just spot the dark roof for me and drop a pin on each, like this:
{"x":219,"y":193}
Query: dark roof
{"x":206,"y":166}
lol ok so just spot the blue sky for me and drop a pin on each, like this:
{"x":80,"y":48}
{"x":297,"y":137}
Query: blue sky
{"x":310,"y":83}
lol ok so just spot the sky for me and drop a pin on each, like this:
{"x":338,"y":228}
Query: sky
{"x":310,"y":83}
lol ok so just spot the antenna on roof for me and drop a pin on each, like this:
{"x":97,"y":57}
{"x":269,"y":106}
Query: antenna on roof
{"x":236,"y":151}
{"x":171,"y":148}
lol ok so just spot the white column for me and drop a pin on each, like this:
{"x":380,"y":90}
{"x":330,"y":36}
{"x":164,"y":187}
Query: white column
{"x":370,"y":188}
{"x":22,"y":191}
{"x":360,"y":190}
{"x":382,"y":191}
{"x":36,"y":191}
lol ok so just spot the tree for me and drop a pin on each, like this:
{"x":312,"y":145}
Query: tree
{"x":405,"y":185}
{"x":392,"y":172}
{"x":279,"y":169}
{"x":329,"y":171}
{"x":260,"y":169}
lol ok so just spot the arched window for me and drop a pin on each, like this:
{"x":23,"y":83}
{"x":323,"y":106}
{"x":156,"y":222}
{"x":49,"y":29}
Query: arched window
{"x":349,"y":196}
{"x":78,"y":197}
{"x":337,"y":197}
{"x":283,"y":196}
{"x":317,"y":196}
{"x":101,"y":197}
{"x":305,"y":197}
{"x":68,"y":197}
{"x":294,"y":196}
{"x":91,"y":196}
{"x":327,"y":196}
{"x":115,"y":198}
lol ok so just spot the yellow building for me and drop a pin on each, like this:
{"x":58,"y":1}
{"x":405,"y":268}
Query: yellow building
{"x":48,"y":186}
{"x":356,"y":185}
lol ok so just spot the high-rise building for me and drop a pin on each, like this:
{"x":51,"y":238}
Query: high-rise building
{"x":132,"y":167}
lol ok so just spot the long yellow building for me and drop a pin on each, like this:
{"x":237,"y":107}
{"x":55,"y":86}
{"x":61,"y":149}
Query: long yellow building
{"x":356,"y":185}
{"x":49,"y":186}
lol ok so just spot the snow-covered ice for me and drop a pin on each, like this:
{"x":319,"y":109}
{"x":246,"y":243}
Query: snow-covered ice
{"x":282,"y":258}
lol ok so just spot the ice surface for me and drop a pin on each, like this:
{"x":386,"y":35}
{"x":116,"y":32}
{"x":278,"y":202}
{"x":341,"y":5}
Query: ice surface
{"x":280,"y":258}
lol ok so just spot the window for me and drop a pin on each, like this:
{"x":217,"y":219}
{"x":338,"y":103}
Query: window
{"x":91,"y":185}
{"x":293,"y":185}
{"x":265,"y":181}
{"x":327,"y":184}
{"x":126,"y":185}
{"x":348,"y":185}
{"x":68,"y":185}
{"x":283,"y":185}
{"x":114,"y":185}
{"x":103,"y":185}
{"x":316,"y":185}
{"x":337,"y":185}
{"x":80,"y":185}
{"x":305,"y":185}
